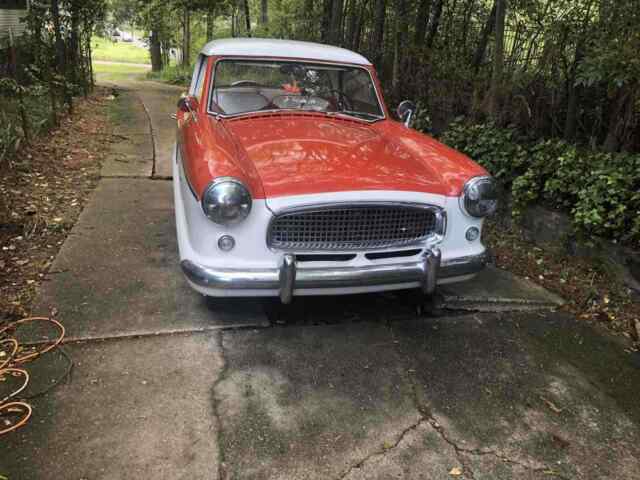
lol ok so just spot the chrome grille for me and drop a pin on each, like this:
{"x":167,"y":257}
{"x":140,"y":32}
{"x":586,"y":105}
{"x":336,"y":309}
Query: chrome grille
{"x":352,"y":227}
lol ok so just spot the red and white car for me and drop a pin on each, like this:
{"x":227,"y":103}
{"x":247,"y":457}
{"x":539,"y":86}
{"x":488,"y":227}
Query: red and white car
{"x":291,"y":178}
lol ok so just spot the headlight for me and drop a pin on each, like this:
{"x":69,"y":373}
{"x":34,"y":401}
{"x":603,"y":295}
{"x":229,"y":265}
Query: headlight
{"x":226,"y":201}
{"x":479,"y":197}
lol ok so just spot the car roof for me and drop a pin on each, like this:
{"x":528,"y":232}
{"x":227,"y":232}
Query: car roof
{"x":271,"y":47}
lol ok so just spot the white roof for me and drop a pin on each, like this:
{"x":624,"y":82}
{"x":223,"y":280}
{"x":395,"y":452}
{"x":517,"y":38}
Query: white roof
{"x":270,"y":47}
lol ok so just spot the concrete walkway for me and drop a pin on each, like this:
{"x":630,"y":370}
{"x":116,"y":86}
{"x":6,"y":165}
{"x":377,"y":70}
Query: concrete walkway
{"x":169,"y":385}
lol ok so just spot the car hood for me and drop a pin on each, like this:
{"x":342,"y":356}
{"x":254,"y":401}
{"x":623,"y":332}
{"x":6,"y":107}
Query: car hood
{"x":305,"y":154}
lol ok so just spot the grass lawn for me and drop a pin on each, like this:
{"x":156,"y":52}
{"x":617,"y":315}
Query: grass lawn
{"x":114,"y":72}
{"x":175,"y":75}
{"x":105,"y":49}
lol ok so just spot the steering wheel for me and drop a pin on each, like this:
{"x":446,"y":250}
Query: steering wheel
{"x":344,"y":102}
{"x":245,"y":83}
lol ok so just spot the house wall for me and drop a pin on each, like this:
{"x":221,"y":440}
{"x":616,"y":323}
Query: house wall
{"x":10,"y":15}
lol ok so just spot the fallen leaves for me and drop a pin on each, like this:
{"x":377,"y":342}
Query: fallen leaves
{"x":552,"y":406}
{"x":455,"y":472}
{"x":592,"y":291}
{"x":41,"y":197}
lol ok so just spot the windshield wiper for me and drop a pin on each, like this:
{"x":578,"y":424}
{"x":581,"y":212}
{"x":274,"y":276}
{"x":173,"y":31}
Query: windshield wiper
{"x":361,"y":114}
{"x":352,"y":114}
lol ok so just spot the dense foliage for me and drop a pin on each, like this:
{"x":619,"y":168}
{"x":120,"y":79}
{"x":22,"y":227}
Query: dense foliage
{"x":601,"y":191}
{"x":551,"y":68}
{"x":42,"y":71}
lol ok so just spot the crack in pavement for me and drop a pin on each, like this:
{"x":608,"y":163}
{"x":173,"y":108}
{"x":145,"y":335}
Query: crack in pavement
{"x":384,"y":451}
{"x":222,"y":467}
{"x":462,"y":453}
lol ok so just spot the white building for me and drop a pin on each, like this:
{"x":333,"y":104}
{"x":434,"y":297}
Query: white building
{"x":11,"y":14}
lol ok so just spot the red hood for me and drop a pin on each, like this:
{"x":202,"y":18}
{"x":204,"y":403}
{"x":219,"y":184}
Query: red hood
{"x":305,"y":154}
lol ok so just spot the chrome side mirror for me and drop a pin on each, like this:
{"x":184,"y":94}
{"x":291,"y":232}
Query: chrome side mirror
{"x":406,"y":111}
{"x":185,"y":104}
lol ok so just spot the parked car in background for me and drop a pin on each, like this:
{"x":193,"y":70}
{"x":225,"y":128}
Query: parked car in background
{"x":291,"y":178}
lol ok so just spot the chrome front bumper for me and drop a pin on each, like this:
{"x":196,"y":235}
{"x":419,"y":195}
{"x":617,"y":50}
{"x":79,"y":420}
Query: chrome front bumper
{"x":428,"y":271}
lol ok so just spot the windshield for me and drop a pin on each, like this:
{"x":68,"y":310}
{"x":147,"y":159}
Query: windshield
{"x":243,"y":86}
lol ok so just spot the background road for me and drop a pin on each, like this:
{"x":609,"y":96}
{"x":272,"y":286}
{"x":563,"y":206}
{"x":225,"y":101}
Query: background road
{"x":168,"y":384}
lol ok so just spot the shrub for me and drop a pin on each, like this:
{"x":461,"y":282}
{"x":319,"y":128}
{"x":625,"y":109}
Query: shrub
{"x":601,"y":191}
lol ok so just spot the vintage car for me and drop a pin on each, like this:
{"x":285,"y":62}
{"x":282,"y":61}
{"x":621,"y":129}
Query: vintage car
{"x":291,"y":178}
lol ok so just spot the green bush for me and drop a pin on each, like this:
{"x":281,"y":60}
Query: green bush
{"x":601,"y":191}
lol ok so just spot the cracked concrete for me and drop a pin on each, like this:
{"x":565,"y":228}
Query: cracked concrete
{"x":407,"y":459}
{"x":481,"y":393}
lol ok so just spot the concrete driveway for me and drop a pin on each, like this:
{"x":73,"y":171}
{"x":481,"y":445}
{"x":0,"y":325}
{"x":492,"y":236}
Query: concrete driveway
{"x":492,"y":384}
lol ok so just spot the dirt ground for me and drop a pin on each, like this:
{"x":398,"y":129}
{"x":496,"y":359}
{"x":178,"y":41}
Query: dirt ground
{"x":42,"y":193}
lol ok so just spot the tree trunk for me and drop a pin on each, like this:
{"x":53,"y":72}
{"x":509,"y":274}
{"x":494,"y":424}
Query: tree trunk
{"x":399,"y":43}
{"x":571,"y":122}
{"x":74,"y":48}
{"x":325,"y":26}
{"x":234,"y":31}
{"x":26,"y":128}
{"x":618,"y":119}
{"x":335,"y":27}
{"x":264,"y":12}
{"x":247,"y":17}
{"x":211,"y":17}
{"x":155,"y":51}
{"x":470,"y":7}
{"x":573,"y":104}
{"x":434,"y":23}
{"x":478,"y":56}
{"x":60,"y":53}
{"x":378,"y":32}
{"x":59,"y":44}
{"x":498,"y":59}
{"x":422,"y":19}
{"x":89,"y":59}
{"x":357,"y":35}
{"x":186,"y":38}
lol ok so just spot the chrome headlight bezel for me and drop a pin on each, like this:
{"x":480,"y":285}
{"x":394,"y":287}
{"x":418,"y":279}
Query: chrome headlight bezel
{"x":226,"y":201}
{"x":479,"y":197}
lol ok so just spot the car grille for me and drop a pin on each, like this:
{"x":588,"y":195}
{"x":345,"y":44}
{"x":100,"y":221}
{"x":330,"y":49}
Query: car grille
{"x":352,"y":227}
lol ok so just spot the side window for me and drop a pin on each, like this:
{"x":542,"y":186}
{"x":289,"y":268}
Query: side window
{"x":197,"y":81}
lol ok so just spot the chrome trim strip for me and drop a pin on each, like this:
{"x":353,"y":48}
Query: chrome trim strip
{"x":436,"y":237}
{"x":288,"y":277}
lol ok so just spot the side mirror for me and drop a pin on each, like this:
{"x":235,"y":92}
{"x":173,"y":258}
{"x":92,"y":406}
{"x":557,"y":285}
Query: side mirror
{"x":406,"y":111}
{"x":187,"y":103}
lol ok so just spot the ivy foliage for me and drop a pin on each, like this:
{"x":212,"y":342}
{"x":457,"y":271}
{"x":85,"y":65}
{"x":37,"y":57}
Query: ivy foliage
{"x":601,"y":191}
